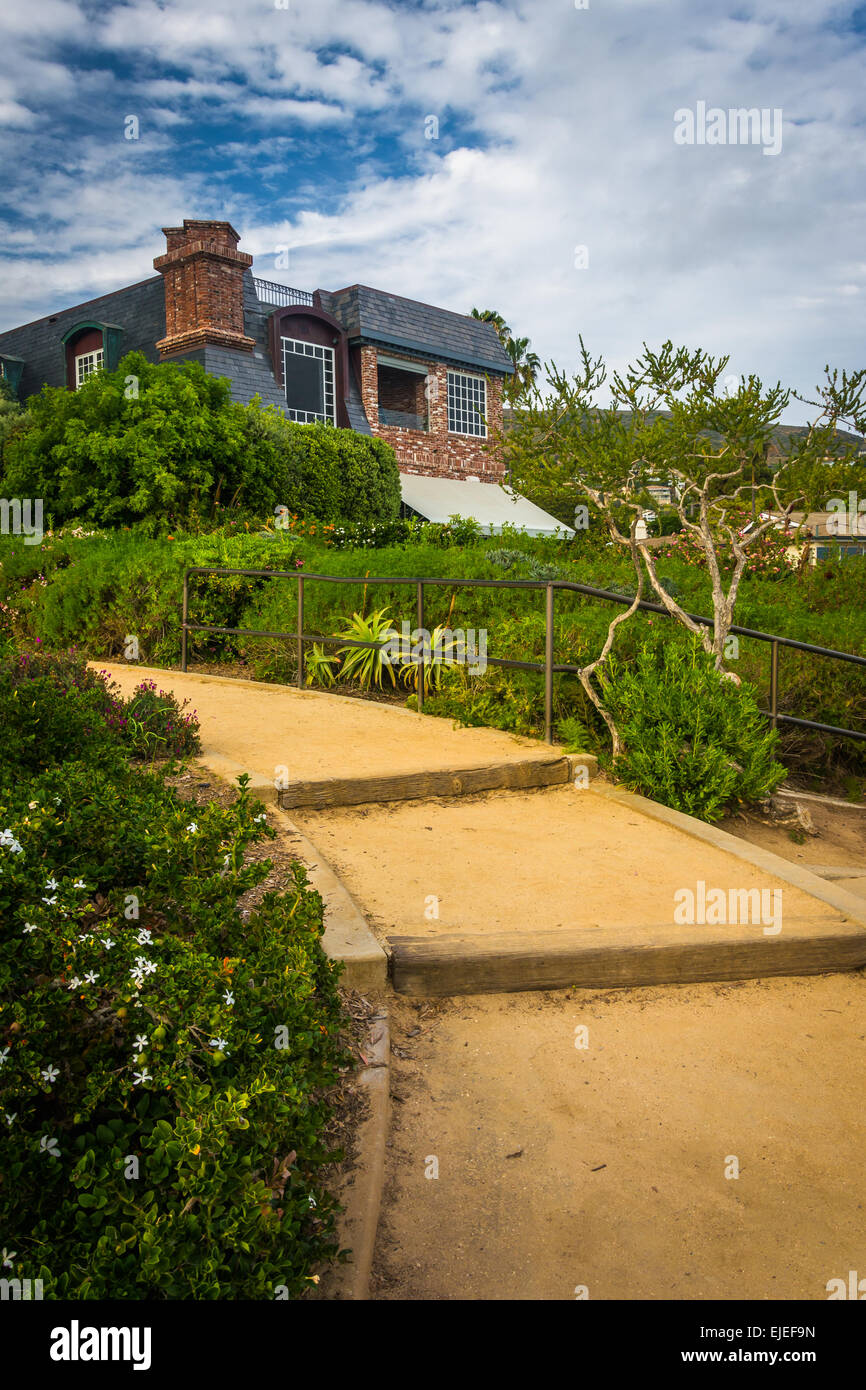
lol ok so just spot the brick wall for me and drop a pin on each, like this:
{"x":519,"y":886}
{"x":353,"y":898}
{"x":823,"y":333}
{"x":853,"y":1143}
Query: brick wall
{"x":434,"y":451}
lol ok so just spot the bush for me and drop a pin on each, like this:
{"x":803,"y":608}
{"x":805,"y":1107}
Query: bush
{"x":334,"y":475}
{"x":692,"y":740}
{"x":109,"y":457}
{"x":54,"y":703}
{"x":163,"y":1055}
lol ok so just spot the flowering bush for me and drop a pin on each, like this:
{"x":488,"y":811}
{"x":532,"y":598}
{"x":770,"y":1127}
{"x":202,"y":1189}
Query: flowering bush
{"x":767,"y":555}
{"x":163,"y":1054}
{"x":55,"y":703}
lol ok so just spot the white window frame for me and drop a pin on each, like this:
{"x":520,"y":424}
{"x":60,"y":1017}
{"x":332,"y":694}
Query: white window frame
{"x":466,"y":412}
{"x":86,"y":363}
{"x":298,"y":347}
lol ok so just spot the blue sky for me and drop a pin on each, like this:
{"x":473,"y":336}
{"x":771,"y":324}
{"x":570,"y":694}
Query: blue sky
{"x":307,"y":127}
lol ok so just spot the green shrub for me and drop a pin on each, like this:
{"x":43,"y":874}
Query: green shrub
{"x":111,"y":453}
{"x":334,"y":475}
{"x":164,"y":1055}
{"x":692,"y":740}
{"x":55,"y":703}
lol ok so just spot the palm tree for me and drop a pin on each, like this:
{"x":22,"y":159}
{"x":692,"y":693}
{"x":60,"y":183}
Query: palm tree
{"x":526,"y":364}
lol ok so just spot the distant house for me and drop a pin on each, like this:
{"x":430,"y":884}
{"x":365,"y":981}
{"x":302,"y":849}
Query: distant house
{"x":427,"y":380}
{"x":818,"y":536}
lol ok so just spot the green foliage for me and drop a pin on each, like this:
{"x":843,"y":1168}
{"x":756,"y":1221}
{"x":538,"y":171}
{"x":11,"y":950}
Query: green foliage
{"x":165,"y":1055}
{"x":319,"y":665}
{"x":692,"y":739}
{"x":334,"y":475}
{"x":573,"y":734}
{"x":55,"y":703}
{"x":147,"y":438}
{"x":367,"y":665}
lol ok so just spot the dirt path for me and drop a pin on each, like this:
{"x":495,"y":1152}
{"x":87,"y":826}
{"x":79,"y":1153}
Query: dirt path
{"x":604,"y":1166}
{"x":526,"y":861}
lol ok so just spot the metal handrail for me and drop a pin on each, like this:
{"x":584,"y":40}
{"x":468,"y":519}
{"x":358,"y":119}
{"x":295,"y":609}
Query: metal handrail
{"x":548,"y":666}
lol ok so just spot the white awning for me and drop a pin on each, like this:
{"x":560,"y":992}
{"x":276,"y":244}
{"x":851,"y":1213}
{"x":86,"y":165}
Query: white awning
{"x":437,"y":499}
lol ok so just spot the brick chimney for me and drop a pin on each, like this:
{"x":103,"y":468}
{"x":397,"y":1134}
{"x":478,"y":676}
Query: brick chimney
{"x":203,"y":271}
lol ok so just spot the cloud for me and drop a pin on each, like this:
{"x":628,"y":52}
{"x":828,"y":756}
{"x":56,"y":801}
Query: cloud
{"x":306,"y":127}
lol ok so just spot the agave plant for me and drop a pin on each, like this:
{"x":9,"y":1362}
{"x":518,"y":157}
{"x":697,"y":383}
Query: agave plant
{"x":441,"y":653}
{"x":319,"y":665}
{"x":367,"y":665}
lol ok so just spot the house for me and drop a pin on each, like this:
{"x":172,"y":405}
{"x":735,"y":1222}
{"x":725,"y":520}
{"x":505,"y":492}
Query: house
{"x":836,"y":534}
{"x":427,"y":380}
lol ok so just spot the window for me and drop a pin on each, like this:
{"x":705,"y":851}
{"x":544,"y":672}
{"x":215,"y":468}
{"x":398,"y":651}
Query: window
{"x":86,"y":364}
{"x":308,"y":372}
{"x":467,"y":404}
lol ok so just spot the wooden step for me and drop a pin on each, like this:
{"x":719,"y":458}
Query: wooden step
{"x":456,"y":781}
{"x":604,"y":958}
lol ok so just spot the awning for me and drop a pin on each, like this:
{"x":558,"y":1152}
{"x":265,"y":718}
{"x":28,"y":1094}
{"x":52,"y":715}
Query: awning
{"x":437,"y":499}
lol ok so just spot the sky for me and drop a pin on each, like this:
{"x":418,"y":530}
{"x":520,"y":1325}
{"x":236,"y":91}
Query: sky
{"x":570,"y":163}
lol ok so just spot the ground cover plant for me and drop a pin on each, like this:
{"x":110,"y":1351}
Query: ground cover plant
{"x":165,"y":1054}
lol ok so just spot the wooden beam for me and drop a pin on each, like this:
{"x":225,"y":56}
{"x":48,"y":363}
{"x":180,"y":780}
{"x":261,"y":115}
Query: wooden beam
{"x":413,"y":786}
{"x":609,"y":957}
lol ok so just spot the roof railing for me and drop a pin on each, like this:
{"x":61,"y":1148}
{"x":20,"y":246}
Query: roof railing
{"x":270,"y":292}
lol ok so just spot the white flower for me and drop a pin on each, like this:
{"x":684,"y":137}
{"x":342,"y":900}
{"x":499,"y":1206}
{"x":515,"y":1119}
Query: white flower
{"x":91,"y":977}
{"x":10,"y":1118}
{"x":220,"y":1044}
{"x":107,"y":942}
{"x":74,"y":982}
{"x":227,"y":860}
{"x":192,"y":827}
{"x":80,"y":884}
{"x":141,"y":1042}
{"x":3,"y":1055}
{"x":49,"y":1146}
{"x":8,"y":1257}
{"x":50,"y":901}
{"x":139,"y":1077}
{"x":85,"y":936}
{"x":149,"y":967}
{"x":256,"y":819}
{"x":143,"y":938}
{"x":7,"y":839}
{"x":52,"y":884}
{"x":57,"y":800}
{"x":30,"y":926}
{"x":50,"y":1074}
{"x":229,"y":997}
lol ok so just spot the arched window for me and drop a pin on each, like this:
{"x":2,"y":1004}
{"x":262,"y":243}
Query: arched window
{"x":88,"y":347}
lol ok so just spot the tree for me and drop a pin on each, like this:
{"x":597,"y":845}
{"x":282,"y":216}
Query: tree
{"x":526,"y":363}
{"x":668,"y":419}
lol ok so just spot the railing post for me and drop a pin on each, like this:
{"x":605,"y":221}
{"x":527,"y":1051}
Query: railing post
{"x":548,"y":665}
{"x":300,"y":632}
{"x":184,"y":618}
{"x":419,"y":623}
{"x":774,"y":684}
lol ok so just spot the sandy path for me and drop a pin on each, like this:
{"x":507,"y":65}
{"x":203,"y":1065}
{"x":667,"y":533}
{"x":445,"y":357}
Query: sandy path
{"x":525,"y":862}
{"x":317,"y":735}
{"x":619,"y":1180}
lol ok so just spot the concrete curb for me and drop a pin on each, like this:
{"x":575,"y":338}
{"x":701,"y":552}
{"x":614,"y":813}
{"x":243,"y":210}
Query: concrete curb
{"x":347,"y":936}
{"x":362,"y":1201}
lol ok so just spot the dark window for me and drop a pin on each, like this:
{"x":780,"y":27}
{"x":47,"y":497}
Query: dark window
{"x":308,"y":373}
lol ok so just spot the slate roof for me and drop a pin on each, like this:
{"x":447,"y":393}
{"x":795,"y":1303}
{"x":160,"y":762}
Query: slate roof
{"x":370,"y":315}
{"x":139,"y":309}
